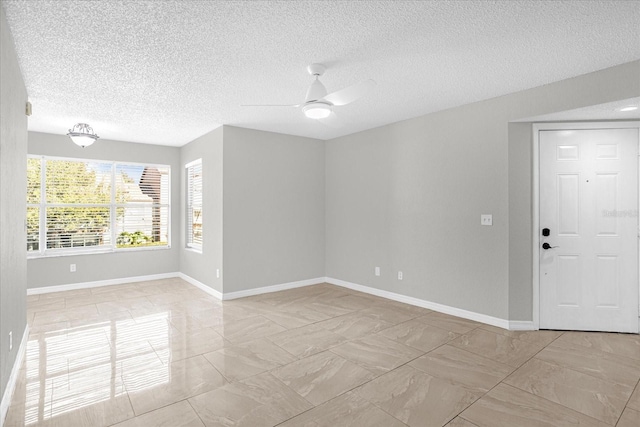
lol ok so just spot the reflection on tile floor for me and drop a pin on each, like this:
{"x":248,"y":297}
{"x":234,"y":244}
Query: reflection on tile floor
{"x":165,"y":353}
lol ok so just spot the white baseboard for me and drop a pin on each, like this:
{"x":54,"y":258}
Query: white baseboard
{"x":99,"y":283}
{"x":458,"y":312}
{"x":13,"y":378}
{"x":521,"y":325}
{"x":201,"y":286}
{"x":273,"y":288}
{"x":516,"y":325}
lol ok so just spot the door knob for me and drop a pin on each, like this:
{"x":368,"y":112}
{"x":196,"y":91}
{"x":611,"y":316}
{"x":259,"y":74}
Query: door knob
{"x":547,"y":246}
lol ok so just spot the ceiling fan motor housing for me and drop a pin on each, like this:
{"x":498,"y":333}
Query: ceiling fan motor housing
{"x":316,"y":91}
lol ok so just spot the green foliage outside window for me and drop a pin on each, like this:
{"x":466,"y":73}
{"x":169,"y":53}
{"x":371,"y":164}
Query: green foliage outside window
{"x":137,"y":238}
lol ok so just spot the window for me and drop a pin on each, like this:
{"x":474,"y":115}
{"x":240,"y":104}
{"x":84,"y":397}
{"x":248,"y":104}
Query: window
{"x":194,"y":204}
{"x":95,"y":206}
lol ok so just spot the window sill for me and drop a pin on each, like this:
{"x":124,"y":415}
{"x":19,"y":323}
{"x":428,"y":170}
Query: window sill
{"x":195,"y":250}
{"x":65,"y":253}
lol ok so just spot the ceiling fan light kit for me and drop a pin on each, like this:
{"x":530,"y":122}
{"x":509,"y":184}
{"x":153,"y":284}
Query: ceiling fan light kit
{"x":319,"y":105}
{"x":317,"y":110}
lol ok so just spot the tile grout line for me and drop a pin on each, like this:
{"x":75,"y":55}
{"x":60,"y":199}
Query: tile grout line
{"x":459,"y":414}
{"x":348,"y":341}
{"x":567,"y":367}
{"x":373,"y":379}
{"x":548,"y":400}
{"x":194,"y":409}
{"x":626,"y":405}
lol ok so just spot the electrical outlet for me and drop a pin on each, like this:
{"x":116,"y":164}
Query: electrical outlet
{"x":486,"y":219}
{"x":72,"y":268}
{"x":217,"y":273}
{"x":377,"y":271}
{"x":399,"y":275}
{"x":10,"y":340}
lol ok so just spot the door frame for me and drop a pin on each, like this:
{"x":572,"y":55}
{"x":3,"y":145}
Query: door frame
{"x":537,"y":127}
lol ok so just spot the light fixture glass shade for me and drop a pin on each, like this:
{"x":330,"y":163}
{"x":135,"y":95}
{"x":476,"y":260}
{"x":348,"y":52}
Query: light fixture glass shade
{"x":82,"y":135}
{"x":317,"y":110}
{"x":82,"y":140}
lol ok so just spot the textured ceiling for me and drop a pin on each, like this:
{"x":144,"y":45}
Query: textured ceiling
{"x":608,"y":111}
{"x":166,"y":72}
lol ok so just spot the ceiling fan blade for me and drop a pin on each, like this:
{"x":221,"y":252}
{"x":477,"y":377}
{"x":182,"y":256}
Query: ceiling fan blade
{"x":270,"y":105}
{"x":349,"y":94}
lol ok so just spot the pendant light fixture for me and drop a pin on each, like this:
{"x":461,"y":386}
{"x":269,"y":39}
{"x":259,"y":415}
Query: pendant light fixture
{"x":82,"y":135}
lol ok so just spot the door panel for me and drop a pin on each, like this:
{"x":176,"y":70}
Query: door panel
{"x":568,"y":204}
{"x":568,"y":289}
{"x":607,"y":284}
{"x":606,"y":201}
{"x":588,"y":197}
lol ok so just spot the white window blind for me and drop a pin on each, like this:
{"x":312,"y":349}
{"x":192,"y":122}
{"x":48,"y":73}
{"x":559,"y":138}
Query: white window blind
{"x":87,"y":205}
{"x":194,"y":204}
{"x":142,"y":205}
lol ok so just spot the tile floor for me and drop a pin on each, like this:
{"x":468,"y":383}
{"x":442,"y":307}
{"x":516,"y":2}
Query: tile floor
{"x":165,"y":353}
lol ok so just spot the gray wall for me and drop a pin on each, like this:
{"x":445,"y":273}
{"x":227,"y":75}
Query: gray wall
{"x":520,"y":221}
{"x":202,"y":266}
{"x":408,"y":196}
{"x":273,"y":208}
{"x":13,"y":180}
{"x":50,"y":271}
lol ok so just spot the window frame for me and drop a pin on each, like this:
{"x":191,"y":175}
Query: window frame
{"x":189,"y":244}
{"x":113,"y":205}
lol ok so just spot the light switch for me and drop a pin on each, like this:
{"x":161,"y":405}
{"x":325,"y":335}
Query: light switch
{"x":486,"y":219}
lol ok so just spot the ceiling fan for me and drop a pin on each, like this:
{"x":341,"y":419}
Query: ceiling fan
{"x":318,"y":104}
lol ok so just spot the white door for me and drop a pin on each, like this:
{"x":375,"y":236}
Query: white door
{"x":589,"y":205}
